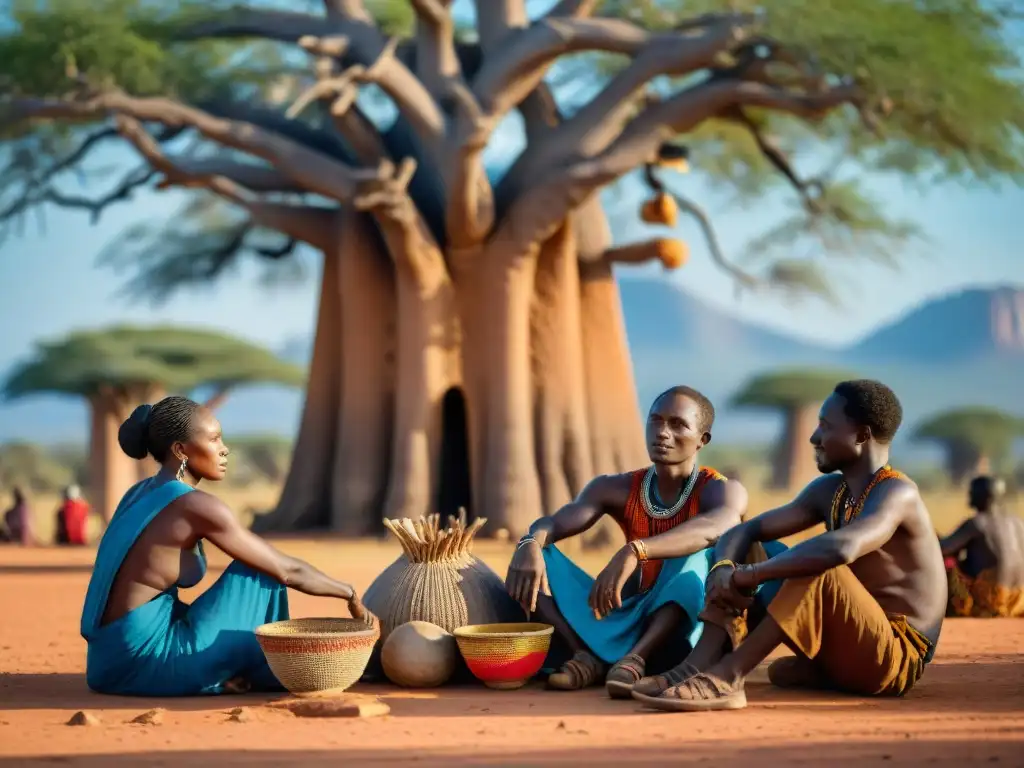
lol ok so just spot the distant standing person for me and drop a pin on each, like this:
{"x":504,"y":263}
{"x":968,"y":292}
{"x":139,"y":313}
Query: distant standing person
{"x":73,"y":518}
{"x":18,"y":521}
{"x":143,"y":640}
{"x":862,"y":604}
{"x":986,"y":579}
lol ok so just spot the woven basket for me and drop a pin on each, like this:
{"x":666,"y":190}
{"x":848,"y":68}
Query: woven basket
{"x":504,"y":656}
{"x":438,"y":580}
{"x":317,"y":656}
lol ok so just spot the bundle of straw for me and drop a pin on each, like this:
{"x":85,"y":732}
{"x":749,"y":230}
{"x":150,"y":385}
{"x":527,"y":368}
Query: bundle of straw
{"x":424,"y":541}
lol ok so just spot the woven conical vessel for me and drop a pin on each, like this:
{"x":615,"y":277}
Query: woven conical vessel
{"x":437,"y":579}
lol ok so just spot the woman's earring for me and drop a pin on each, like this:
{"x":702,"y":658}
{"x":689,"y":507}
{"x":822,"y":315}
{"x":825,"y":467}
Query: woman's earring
{"x":181,"y":469}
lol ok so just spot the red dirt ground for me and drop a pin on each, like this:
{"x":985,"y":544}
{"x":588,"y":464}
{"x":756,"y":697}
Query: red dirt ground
{"x":969,"y":709}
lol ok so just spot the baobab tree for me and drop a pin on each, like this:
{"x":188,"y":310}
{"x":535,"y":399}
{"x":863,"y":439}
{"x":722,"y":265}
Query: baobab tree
{"x":976,"y":440}
{"x":116,"y":369}
{"x":461,"y":314}
{"x":797,"y":395}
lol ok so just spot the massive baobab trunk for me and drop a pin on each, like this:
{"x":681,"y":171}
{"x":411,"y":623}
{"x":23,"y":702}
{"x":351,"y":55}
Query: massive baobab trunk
{"x":793,"y":461}
{"x":111,"y":472}
{"x":305,"y":499}
{"x":561,"y":432}
{"x":365,"y":346}
{"x":617,"y":439}
{"x":486,"y":297}
{"x":965,"y":460}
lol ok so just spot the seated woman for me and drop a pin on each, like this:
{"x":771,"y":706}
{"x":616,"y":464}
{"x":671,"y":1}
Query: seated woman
{"x":986,"y":572}
{"x":142,"y":639}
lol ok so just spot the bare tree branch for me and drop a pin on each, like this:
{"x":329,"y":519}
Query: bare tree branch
{"x":348,"y":9}
{"x":282,"y":26}
{"x":408,"y":238}
{"x":593,"y":127}
{"x":497,"y":19}
{"x":132,"y":181}
{"x":307,"y":223}
{"x":348,"y":32}
{"x":437,"y":62}
{"x":521,"y":62}
{"x":362,"y":45}
{"x":304,"y":166}
{"x":640,"y":253}
{"x":533,"y":216}
{"x":579,"y":9}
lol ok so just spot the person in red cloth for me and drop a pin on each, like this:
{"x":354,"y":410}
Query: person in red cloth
{"x":72,"y":518}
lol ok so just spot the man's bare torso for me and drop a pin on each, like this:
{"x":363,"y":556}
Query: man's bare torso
{"x":999,"y":546}
{"x":905,"y":575}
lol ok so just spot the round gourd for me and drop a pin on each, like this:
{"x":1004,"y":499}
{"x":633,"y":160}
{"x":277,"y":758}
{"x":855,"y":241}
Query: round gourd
{"x":419,"y":654}
{"x":660,"y":209}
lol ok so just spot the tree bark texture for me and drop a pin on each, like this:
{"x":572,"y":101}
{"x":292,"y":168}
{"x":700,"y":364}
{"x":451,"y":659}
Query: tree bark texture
{"x":793,"y":463}
{"x":111,"y":472}
{"x":366,"y":346}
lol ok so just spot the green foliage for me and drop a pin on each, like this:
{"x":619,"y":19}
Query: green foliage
{"x":985,"y":431}
{"x":124,"y":357}
{"x":34,"y":469}
{"x":785,"y":389}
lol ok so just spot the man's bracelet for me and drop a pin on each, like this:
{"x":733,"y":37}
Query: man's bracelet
{"x":527,"y":539}
{"x":639,"y":549}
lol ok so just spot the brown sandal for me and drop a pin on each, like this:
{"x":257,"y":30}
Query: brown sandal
{"x":623,"y":675}
{"x":701,"y":693}
{"x":582,"y":671}
{"x":658,"y":684}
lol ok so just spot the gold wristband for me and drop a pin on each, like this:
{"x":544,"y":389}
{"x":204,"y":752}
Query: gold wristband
{"x":639,"y":549}
{"x":721,"y":564}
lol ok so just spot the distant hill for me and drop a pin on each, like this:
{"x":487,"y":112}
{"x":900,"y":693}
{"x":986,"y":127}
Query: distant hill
{"x":962,"y":348}
{"x":971,"y":326}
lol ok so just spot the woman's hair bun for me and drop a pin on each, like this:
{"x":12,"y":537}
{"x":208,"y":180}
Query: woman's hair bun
{"x":133,"y":433}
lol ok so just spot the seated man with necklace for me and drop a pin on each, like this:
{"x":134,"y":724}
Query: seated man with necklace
{"x":648,"y":597}
{"x":861,"y":604}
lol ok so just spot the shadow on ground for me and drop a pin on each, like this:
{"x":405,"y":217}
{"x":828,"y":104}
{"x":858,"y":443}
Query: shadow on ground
{"x":987,"y":687}
{"x":898,"y":752}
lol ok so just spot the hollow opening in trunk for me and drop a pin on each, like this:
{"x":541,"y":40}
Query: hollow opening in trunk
{"x":455,"y":483}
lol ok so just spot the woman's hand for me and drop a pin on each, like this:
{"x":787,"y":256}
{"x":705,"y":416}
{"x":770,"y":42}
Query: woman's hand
{"x":357,"y":610}
{"x":527,"y":575}
{"x":606,"y":593}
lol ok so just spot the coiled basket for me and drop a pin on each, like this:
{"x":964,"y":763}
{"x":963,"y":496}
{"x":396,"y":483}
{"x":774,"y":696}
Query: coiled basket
{"x":317,"y":656}
{"x":504,"y":656}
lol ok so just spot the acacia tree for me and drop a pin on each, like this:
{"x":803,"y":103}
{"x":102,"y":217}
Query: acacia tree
{"x":797,"y":395}
{"x":116,"y":369}
{"x":977,"y":440}
{"x":438,"y":279}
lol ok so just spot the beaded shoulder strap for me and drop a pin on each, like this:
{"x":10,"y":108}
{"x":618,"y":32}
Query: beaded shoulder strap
{"x":844,"y":510}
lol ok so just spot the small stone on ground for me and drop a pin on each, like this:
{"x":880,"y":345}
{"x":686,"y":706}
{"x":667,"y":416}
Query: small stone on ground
{"x":83,"y":718}
{"x":153,"y":717}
